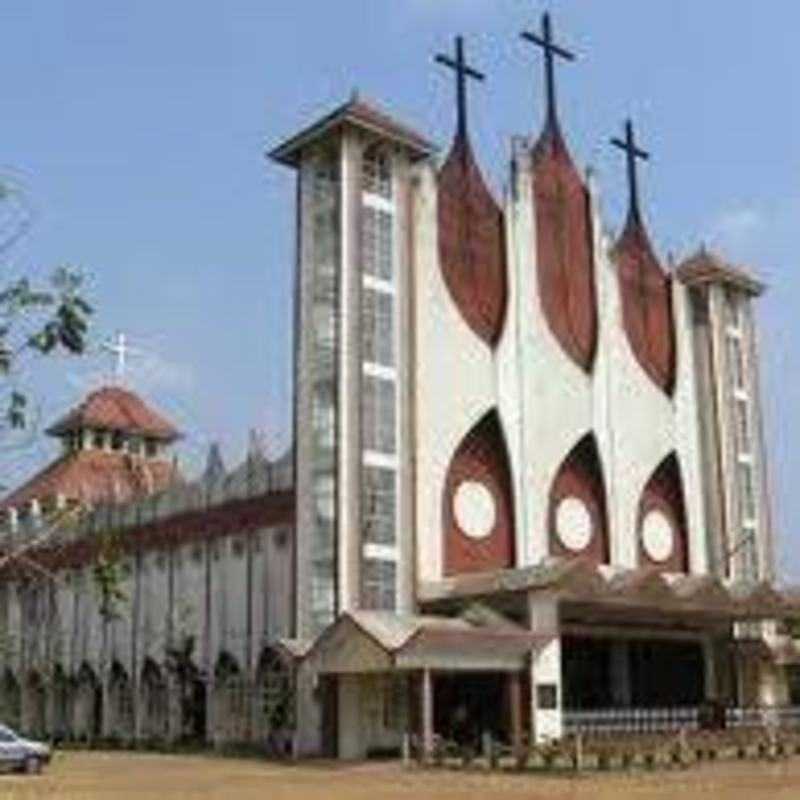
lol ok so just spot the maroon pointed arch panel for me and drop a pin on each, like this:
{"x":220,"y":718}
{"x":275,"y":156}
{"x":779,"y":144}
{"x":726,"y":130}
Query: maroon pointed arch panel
{"x":564,"y":259}
{"x":481,"y":458}
{"x":663,"y":493}
{"x":579,"y":481}
{"x":472,"y":251}
{"x":646,"y":297}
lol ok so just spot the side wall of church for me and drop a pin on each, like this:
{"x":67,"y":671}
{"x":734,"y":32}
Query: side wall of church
{"x":220,"y":590}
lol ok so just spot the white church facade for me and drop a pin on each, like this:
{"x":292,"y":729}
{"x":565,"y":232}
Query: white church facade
{"x":527,"y":482}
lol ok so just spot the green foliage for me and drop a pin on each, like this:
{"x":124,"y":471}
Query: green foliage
{"x":37,"y":321}
{"x":37,"y":317}
{"x":108,"y":575}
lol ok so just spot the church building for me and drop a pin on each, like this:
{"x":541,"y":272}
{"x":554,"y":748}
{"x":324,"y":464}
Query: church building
{"x":527,"y":482}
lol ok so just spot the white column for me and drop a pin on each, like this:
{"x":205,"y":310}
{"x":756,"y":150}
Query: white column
{"x":427,"y":714}
{"x":352,"y":736}
{"x":546,"y":683}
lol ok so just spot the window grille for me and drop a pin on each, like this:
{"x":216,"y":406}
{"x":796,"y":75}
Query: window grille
{"x":379,"y":584}
{"x":378,"y":505}
{"x":377,"y":172}
{"x":378,"y":414}
{"x":377,"y":328}
{"x":376,"y":243}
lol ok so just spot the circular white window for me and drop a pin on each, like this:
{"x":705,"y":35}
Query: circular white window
{"x":475,"y":510}
{"x":657,"y":536}
{"x":574,"y":524}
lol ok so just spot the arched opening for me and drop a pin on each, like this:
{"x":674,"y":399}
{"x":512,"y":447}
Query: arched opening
{"x":120,"y":699}
{"x":577,"y":515}
{"x":153,"y":702}
{"x":230,"y":702}
{"x":663,"y":533}
{"x":88,"y":704}
{"x":36,"y":702}
{"x":61,"y":704}
{"x":477,"y":502}
{"x":190,"y":687}
{"x":275,"y":702}
{"x":11,"y":700}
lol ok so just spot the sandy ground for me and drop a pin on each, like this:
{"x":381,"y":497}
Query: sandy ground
{"x":91,"y":776}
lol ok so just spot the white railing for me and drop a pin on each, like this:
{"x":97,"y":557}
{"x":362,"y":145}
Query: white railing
{"x":631,"y":720}
{"x":665,"y":720}
{"x":780,"y":717}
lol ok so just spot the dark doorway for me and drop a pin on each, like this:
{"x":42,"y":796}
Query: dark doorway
{"x":586,"y":673}
{"x":329,"y":700}
{"x":666,"y":674}
{"x":466,"y":704}
{"x":662,"y":674}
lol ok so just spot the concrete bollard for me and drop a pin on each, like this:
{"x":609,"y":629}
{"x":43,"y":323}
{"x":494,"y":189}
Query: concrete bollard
{"x":487,"y":748}
{"x":579,"y":752}
{"x":406,"y":749}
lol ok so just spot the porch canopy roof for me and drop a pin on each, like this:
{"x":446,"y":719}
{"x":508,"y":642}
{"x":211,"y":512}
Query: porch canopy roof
{"x":582,"y":586}
{"x":382,"y":641}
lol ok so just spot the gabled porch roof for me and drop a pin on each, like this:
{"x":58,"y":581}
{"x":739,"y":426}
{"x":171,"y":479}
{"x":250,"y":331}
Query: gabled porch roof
{"x":382,"y":641}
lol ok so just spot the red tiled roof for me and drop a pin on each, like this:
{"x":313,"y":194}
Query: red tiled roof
{"x":357,"y":112}
{"x":95,"y":476}
{"x":115,"y":409}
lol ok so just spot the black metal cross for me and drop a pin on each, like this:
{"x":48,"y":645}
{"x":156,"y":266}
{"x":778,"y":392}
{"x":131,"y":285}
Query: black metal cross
{"x":463,"y":71}
{"x":632,"y":152}
{"x":545,"y":41}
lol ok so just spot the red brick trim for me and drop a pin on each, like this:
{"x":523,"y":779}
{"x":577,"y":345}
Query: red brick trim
{"x":482,"y":456}
{"x":646,"y":295}
{"x":564,"y":252}
{"x":241,"y":517}
{"x":472,"y":251}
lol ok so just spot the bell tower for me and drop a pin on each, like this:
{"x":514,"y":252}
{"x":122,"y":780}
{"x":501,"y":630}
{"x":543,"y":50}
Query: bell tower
{"x":351,"y":362}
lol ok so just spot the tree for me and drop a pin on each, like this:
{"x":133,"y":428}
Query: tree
{"x":37,"y":318}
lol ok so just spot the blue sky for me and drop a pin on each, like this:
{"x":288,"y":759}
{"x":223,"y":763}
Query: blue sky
{"x":138,"y":131}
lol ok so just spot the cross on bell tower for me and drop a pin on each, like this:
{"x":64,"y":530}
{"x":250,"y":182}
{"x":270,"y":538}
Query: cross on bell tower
{"x":551,"y":50}
{"x":463,"y":71}
{"x":119,"y":347}
{"x":632,"y":152}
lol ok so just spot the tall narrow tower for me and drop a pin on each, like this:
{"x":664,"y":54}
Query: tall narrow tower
{"x":731,"y":416}
{"x":351,"y":362}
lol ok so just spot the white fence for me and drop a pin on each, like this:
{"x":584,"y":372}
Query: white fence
{"x":665,"y":720}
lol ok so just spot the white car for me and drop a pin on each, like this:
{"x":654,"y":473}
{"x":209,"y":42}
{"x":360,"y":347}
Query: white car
{"x":19,"y":754}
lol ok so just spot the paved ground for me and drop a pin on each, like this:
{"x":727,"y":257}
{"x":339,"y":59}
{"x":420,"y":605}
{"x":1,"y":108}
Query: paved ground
{"x":92,"y":776}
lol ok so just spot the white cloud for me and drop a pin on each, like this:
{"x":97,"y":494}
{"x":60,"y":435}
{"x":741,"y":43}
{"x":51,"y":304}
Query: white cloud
{"x":737,"y":226}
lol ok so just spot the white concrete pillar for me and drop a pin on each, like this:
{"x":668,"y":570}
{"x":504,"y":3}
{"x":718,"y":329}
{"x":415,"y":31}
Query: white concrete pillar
{"x":174,"y":710}
{"x":308,"y":714}
{"x":352,"y":744}
{"x":427,"y":715}
{"x":546,"y":681}
{"x":620,"y":673}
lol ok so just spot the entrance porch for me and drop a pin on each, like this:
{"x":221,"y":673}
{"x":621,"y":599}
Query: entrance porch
{"x":383,"y":679}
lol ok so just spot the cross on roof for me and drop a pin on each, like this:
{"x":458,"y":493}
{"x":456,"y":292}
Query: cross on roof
{"x":545,"y":41}
{"x":463,"y":71}
{"x":632,"y":152}
{"x":121,"y":349}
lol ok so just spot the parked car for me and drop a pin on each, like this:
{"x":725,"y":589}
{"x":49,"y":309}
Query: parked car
{"x":20,"y":754}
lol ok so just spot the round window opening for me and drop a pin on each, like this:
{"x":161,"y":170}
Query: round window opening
{"x":574,"y":524}
{"x":475,"y":509}
{"x":657,"y":536}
